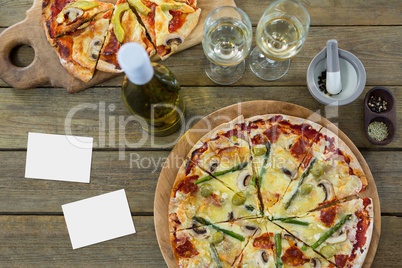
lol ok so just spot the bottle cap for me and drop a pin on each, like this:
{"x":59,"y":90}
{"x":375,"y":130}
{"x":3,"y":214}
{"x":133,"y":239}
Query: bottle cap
{"x":135,"y":62}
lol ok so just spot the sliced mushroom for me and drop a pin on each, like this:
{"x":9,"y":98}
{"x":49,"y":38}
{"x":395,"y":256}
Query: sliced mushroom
{"x":94,"y":48}
{"x":337,"y":237}
{"x":264,"y":256}
{"x":290,"y":169}
{"x":251,"y":230}
{"x":328,"y":189}
{"x":316,"y":263}
{"x":261,"y":258}
{"x":292,"y":238}
{"x":212,"y":164}
{"x":289,"y":237}
{"x":174,"y":39}
{"x":199,"y":229}
{"x":72,"y":14}
{"x":287,"y":172}
{"x":243,"y":180}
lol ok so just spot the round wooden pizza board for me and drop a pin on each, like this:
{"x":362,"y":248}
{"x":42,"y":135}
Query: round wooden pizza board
{"x":247,"y":109}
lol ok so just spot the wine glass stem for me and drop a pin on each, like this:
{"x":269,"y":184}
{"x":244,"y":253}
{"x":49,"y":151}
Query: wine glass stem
{"x":267,"y":62}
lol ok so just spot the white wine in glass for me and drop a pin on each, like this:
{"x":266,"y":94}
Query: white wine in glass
{"x":281,"y":33}
{"x":226,"y":43}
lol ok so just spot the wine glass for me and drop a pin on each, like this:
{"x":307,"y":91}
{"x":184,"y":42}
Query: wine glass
{"x":281,"y":33}
{"x":226,"y":42}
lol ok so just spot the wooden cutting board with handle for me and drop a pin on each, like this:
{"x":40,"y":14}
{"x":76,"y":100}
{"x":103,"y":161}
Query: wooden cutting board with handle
{"x":46,"y":68}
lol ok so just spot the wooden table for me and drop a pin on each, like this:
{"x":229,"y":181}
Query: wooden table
{"x":33,"y":232}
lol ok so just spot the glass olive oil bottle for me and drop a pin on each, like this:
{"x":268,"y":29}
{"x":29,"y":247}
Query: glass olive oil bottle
{"x":150,"y":91}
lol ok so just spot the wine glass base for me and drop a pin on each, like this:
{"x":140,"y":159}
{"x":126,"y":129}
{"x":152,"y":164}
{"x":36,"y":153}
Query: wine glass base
{"x":266,"y":69}
{"x":225,"y":75}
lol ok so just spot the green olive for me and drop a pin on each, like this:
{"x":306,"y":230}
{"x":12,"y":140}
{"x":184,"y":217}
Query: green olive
{"x":238,"y":199}
{"x":259,"y":150}
{"x":217,"y":238}
{"x":305,"y":189}
{"x":318,"y":169}
{"x":206,"y":190}
{"x":328,"y":251}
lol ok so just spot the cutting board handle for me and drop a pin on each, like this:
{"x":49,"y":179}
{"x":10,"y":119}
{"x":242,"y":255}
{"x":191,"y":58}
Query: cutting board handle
{"x":22,"y":33}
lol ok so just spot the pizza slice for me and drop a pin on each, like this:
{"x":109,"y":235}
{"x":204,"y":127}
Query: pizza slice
{"x":274,"y":247}
{"x":209,"y":244}
{"x":79,"y":50}
{"x":124,"y":28}
{"x":330,"y":172}
{"x":168,"y":22}
{"x":62,"y":16}
{"x":291,"y":252}
{"x":279,"y":145}
{"x":341,"y":232}
{"x":225,"y":155}
{"x":211,"y":199}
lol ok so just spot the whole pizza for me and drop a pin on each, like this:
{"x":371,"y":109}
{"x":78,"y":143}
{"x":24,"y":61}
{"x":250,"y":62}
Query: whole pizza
{"x":87,"y":34}
{"x":270,"y":191}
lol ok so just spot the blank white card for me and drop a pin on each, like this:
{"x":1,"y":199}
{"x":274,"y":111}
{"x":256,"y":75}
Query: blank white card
{"x":58,"y":157}
{"x":98,"y":219}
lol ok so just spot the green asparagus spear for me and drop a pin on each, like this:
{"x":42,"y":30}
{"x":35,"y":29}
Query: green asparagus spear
{"x":293,"y":221}
{"x":264,"y":165}
{"x":331,"y":231}
{"x":278,"y":247}
{"x":227,"y":232}
{"x":220,"y":173}
{"x":303,"y":176}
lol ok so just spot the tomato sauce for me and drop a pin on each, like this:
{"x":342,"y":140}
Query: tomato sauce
{"x":300,"y":148}
{"x":112,"y":47}
{"x":60,"y":4}
{"x":294,"y":257}
{"x":340,"y":260}
{"x":65,"y":47}
{"x":185,"y":249}
{"x":187,"y":185}
{"x":273,"y":133}
{"x":177,"y":21}
{"x":264,"y":241}
{"x":327,"y":215}
{"x":258,"y":139}
{"x":361,"y":232}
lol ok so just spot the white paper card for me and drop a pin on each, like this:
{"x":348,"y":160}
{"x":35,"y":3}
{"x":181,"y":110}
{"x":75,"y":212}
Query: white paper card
{"x":98,"y":219}
{"x":58,"y":157}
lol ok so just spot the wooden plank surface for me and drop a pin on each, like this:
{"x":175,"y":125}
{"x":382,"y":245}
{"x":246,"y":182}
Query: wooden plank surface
{"x":42,"y":241}
{"x":32,"y":228}
{"x":96,"y":112}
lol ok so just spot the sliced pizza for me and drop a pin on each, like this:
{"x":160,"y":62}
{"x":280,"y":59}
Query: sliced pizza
{"x":124,"y":28}
{"x":168,"y":22}
{"x":274,"y":247}
{"x":62,"y":16}
{"x":279,"y":145}
{"x":341,"y":232}
{"x":79,"y":50}
{"x":291,"y":252}
{"x":209,"y":244}
{"x":330,"y":172}
{"x":279,"y":191}
{"x":211,"y":199}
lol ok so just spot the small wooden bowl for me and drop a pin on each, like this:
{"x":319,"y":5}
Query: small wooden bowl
{"x":388,"y":117}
